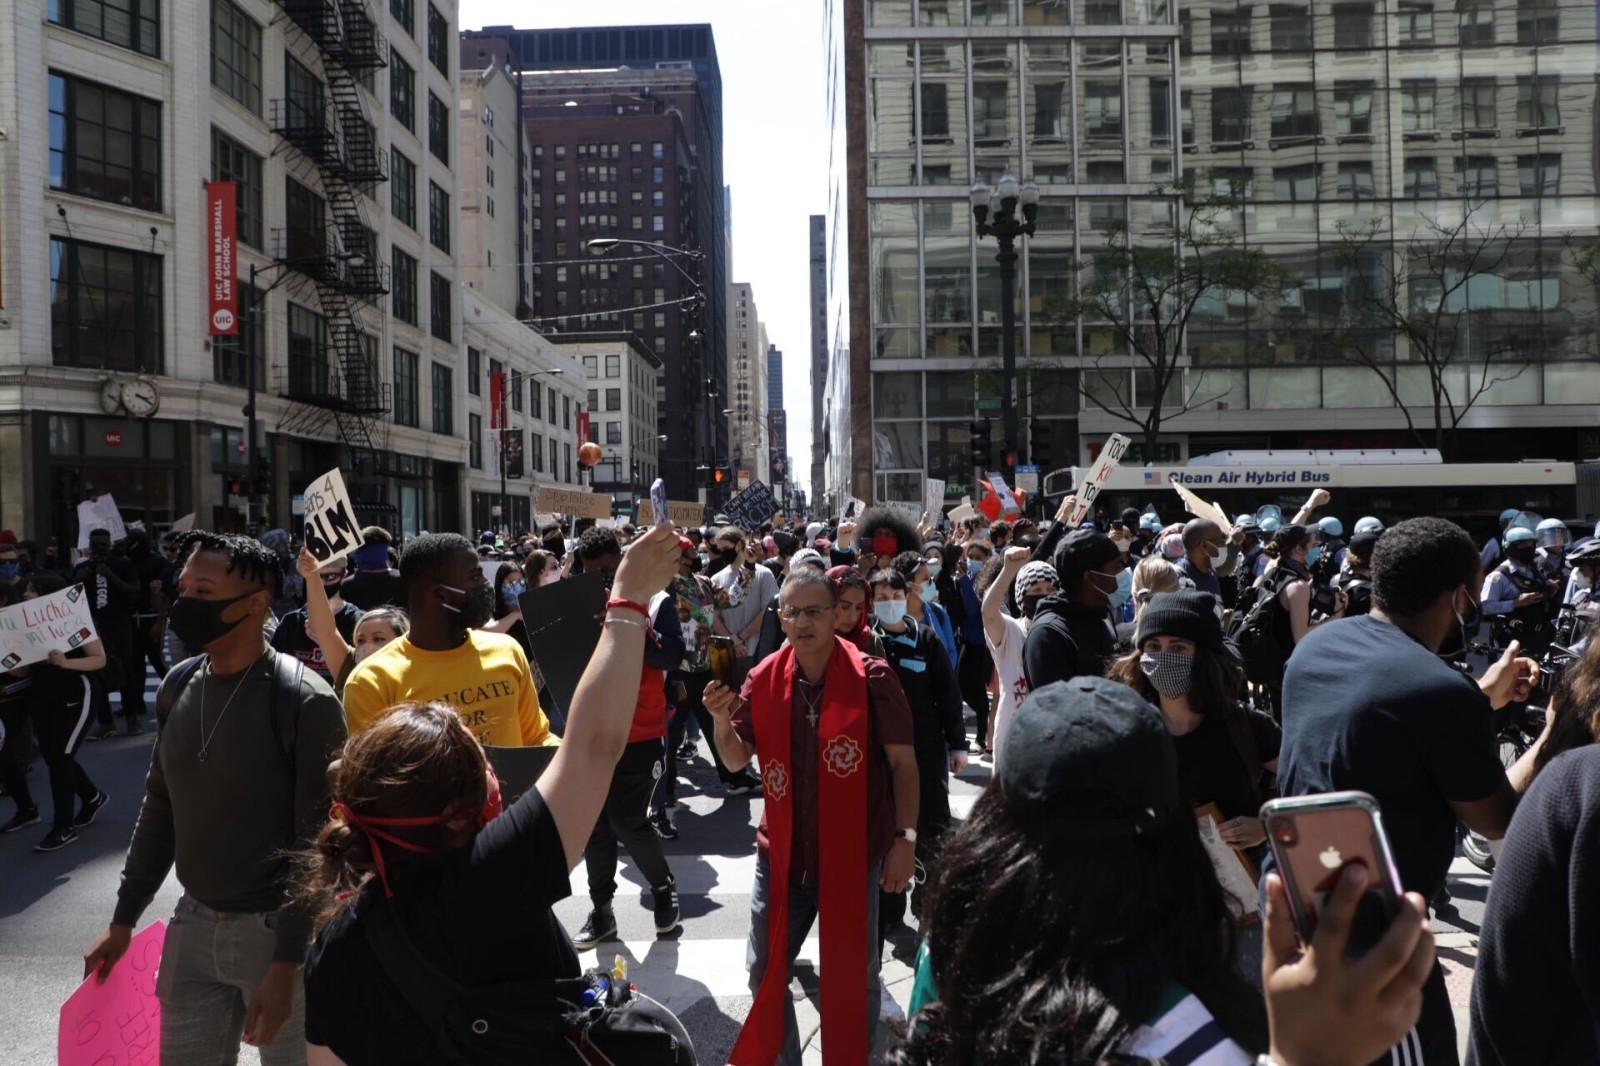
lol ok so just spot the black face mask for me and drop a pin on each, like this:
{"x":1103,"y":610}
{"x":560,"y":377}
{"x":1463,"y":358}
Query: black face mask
{"x":1519,"y":554}
{"x":199,"y":623}
{"x":479,"y":605}
{"x":1030,"y":604}
{"x":727,"y":555}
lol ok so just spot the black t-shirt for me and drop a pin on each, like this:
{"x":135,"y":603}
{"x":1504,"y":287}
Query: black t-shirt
{"x":291,"y":637}
{"x":483,"y":917}
{"x":1367,"y":707}
{"x":1211,"y":769}
{"x":107,"y":603}
{"x":371,"y":589}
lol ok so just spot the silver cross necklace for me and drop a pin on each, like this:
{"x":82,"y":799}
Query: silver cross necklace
{"x":205,"y":738}
{"x":811,"y":702}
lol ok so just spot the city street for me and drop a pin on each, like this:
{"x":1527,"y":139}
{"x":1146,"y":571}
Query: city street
{"x":52,"y":905}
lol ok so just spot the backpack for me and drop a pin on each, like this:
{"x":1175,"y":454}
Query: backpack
{"x":587,"y":1019}
{"x":1244,"y":576}
{"x":285,"y":717}
{"x":1254,"y":629}
{"x":1244,"y":742}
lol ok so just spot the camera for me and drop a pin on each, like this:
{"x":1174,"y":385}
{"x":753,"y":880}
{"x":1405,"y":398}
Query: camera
{"x":1324,"y":599}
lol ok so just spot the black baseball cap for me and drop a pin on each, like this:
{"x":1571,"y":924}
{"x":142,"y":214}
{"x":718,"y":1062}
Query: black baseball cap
{"x":1083,"y":550}
{"x":1087,"y":759}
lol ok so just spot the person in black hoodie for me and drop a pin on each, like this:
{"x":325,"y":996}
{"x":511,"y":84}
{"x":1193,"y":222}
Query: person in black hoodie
{"x":923,"y":667}
{"x":1072,"y":634}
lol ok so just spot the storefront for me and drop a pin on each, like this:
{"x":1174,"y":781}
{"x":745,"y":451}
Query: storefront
{"x":143,"y":464}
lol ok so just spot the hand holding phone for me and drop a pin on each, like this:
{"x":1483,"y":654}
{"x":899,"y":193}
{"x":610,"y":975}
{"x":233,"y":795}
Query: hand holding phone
{"x":658,"y":500}
{"x":1314,"y":839}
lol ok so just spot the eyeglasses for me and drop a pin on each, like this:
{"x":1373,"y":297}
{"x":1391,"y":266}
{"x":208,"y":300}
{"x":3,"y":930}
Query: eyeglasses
{"x":810,"y":614}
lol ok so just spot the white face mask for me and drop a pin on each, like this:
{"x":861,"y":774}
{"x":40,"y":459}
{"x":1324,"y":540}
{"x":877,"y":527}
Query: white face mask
{"x":1219,"y":559}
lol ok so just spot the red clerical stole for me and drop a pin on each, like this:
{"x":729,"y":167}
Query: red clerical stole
{"x":842,"y":842}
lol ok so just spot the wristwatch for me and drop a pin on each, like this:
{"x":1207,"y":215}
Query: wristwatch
{"x":909,"y":835}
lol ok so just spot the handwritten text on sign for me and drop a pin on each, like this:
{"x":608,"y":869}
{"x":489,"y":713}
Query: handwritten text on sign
{"x":117,"y":1022}
{"x":32,"y":629}
{"x":681,"y":513}
{"x":330,"y":526}
{"x":1110,"y":456}
{"x":572,"y":502}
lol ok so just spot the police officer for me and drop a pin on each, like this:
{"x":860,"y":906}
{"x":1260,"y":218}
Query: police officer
{"x":1332,"y":559}
{"x":1519,"y":593}
{"x":1252,"y":557}
{"x":1492,"y":548}
{"x":1554,"y":536}
{"x":1581,"y":595}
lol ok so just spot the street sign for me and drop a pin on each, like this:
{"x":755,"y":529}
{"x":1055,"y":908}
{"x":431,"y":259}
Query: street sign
{"x":986,"y":405}
{"x":1027,"y":477}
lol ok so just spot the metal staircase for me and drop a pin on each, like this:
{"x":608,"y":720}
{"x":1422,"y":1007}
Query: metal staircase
{"x":337,"y":380}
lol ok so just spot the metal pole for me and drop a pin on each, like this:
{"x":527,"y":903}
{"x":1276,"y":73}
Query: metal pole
{"x":1007,"y":258}
{"x":251,"y":521}
{"x":504,"y":499}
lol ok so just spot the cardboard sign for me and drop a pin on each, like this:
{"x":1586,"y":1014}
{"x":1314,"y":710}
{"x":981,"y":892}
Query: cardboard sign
{"x":1201,"y":509}
{"x":964,"y":511}
{"x":184,"y":524}
{"x":32,"y":629}
{"x":852,"y":509}
{"x":1110,"y":456}
{"x":330,"y":529}
{"x":751,"y":507}
{"x":573,"y":502}
{"x":562,"y":623}
{"x":118,"y":1022}
{"x":1234,"y":872}
{"x":1008,"y":502}
{"x":102,"y":513}
{"x":679,"y":513}
{"x":933,"y":496}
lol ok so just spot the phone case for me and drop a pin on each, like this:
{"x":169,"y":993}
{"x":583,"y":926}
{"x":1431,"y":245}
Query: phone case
{"x":1313,"y":838}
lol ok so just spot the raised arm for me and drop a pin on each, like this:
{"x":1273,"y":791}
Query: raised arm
{"x":994,"y":597}
{"x":320,"y":624}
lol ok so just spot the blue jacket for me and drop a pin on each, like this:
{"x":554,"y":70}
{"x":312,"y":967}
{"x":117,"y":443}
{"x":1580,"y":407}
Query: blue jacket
{"x":972,"y":626}
{"x":937,"y":619}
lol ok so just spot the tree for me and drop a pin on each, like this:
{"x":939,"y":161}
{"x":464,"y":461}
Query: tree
{"x":1441,"y":293}
{"x":1145,"y":289}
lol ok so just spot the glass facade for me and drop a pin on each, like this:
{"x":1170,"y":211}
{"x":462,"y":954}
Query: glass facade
{"x":1442,"y":156}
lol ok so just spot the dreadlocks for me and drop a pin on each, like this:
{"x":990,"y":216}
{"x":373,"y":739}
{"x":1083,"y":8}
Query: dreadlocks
{"x":248,"y":557}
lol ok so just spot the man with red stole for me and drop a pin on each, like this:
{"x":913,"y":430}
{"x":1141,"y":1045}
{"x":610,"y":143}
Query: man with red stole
{"x":833,"y":734}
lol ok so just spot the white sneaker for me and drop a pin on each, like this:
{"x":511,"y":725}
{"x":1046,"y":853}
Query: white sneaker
{"x":887,"y":1007}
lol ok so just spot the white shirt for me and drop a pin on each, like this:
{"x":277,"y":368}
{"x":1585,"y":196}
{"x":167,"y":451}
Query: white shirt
{"x":1013,"y":680}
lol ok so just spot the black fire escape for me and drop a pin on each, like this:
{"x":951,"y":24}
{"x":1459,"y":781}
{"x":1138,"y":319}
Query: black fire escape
{"x":336,"y":378}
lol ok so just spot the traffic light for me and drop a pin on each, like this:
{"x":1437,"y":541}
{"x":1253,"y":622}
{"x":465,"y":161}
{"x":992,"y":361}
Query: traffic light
{"x":1040,"y":445}
{"x":718,"y":474}
{"x":1008,"y":462}
{"x":982,"y":448}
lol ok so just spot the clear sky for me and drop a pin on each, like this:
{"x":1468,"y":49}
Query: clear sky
{"x":774,"y":153}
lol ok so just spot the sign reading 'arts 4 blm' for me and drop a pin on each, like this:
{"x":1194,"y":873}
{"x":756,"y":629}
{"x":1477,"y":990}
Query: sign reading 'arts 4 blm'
{"x":330,"y":529}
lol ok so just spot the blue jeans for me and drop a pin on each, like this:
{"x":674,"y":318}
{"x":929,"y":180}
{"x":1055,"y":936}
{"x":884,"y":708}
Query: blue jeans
{"x":210,"y":967}
{"x":802,"y":914}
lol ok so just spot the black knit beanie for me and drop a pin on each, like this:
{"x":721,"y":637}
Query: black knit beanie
{"x":1188,"y":615}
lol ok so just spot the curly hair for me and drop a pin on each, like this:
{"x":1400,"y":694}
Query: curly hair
{"x":1419,"y":560}
{"x":894,"y":521}
{"x":1576,"y":701}
{"x":248,"y":557}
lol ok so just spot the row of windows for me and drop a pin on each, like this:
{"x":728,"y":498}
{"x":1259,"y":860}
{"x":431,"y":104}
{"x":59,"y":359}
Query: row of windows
{"x":1357,"y":26}
{"x":132,"y":24}
{"x":658,"y":175}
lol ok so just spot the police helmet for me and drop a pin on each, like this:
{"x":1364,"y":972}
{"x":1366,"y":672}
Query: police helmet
{"x":1247,"y":523}
{"x":1518,"y":534}
{"x":1331,"y":527}
{"x":1507,"y":515}
{"x":1369,"y":524}
{"x":1553,"y":532}
{"x":1270,"y":524}
{"x":1150,"y":521}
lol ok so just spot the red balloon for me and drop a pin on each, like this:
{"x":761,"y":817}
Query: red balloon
{"x":589,"y":454}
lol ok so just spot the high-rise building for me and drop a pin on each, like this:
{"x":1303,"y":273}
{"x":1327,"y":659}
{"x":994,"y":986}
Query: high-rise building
{"x":625,"y":135}
{"x":747,"y":386}
{"x":818,"y":365}
{"x":777,"y":422}
{"x":1445,"y":135}
{"x":336,"y":125}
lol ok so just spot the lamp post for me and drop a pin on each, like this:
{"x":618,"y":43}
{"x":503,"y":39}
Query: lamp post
{"x":515,"y":379}
{"x":252,"y":300}
{"x":995,"y":211}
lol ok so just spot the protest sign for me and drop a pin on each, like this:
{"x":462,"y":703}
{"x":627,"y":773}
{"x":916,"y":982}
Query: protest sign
{"x":933,"y":497}
{"x":102,"y":513}
{"x":852,"y":509}
{"x":680,"y":514}
{"x":116,"y":1022}
{"x":1027,"y":477}
{"x":912,"y":509}
{"x":1110,"y":457}
{"x":184,"y":524}
{"x":330,"y":530}
{"x":1201,"y":509}
{"x":1234,"y":872}
{"x":751,"y":507}
{"x":517,"y":769}
{"x":32,"y":629}
{"x":964,"y":511}
{"x":573,"y":502}
{"x":561,"y":620}
{"x":1008,"y":502}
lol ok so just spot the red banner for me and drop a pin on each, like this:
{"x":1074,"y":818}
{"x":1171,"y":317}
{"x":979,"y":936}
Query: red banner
{"x":583,"y":426}
{"x":222,"y":198}
{"x":497,"y":400}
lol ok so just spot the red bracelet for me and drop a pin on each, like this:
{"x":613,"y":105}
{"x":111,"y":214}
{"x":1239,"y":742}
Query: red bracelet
{"x":629,"y":605}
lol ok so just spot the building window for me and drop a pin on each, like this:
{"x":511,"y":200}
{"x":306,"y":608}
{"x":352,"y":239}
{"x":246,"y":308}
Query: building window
{"x":514,"y":383}
{"x":990,"y":113}
{"x":308,"y":353}
{"x":1230,"y":32}
{"x":1230,"y":116}
{"x":1416,"y":106}
{"x":227,"y":351}
{"x":236,"y":54}
{"x":566,"y":452}
{"x":566,"y":412}
{"x":1355,"y":181}
{"x":658,"y":224}
{"x":443,"y":401}
{"x":474,"y":371}
{"x":550,"y":403}
{"x":439,"y":303}
{"x":439,"y":41}
{"x":1539,"y":175}
{"x":405,"y":14}
{"x":105,"y":308}
{"x":1475,"y":177}
{"x":438,"y":217}
{"x":1352,"y":26}
{"x":402,"y":91}
{"x":613,"y":432}
{"x":613,"y":399}
{"x":1352,"y":109}
{"x":403,"y":287}
{"x":1538,"y":22}
{"x":1291,"y":28}
{"x":134,"y":24}
{"x":1421,"y":179}
{"x":104,"y":144}
{"x":1478,"y":105}
{"x":439,"y":129}
{"x":407,"y":409}
{"x":475,"y":441}
{"x":1294,"y":112}
{"x":657,"y":175}
{"x":402,"y":188}
{"x":538,"y":452}
{"x":1477,"y":24}
{"x":1295,"y":184}
{"x":306,"y":221}
{"x":1415,"y":24}
{"x":1538,"y":103}
{"x":1103,"y":110}
{"x":613,"y":366}
{"x":594,"y":399}
{"x":230,"y":161}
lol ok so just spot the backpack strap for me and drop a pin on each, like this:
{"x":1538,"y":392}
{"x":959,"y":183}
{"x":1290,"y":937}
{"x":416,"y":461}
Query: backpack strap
{"x":286,"y":676}
{"x":427,"y":990}
{"x":173,"y":683}
{"x":1244,"y":742}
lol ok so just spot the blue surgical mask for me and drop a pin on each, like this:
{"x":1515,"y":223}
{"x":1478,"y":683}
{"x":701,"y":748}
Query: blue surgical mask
{"x":930,"y":592}
{"x":1313,"y":553}
{"x":8,"y":571}
{"x":512,"y":589}
{"x":974,"y":567}
{"x":889,"y":612}
{"x":935,"y":568}
{"x":1119,"y":595}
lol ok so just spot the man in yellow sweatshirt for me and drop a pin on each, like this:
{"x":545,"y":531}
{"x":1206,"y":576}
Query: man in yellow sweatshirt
{"x":447,"y":657}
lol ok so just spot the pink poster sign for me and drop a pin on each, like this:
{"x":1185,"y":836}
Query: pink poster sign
{"x":117,"y":1023}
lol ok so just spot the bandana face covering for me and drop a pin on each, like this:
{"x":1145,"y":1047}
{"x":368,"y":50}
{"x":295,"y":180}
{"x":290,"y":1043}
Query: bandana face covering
{"x":1169,"y":671}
